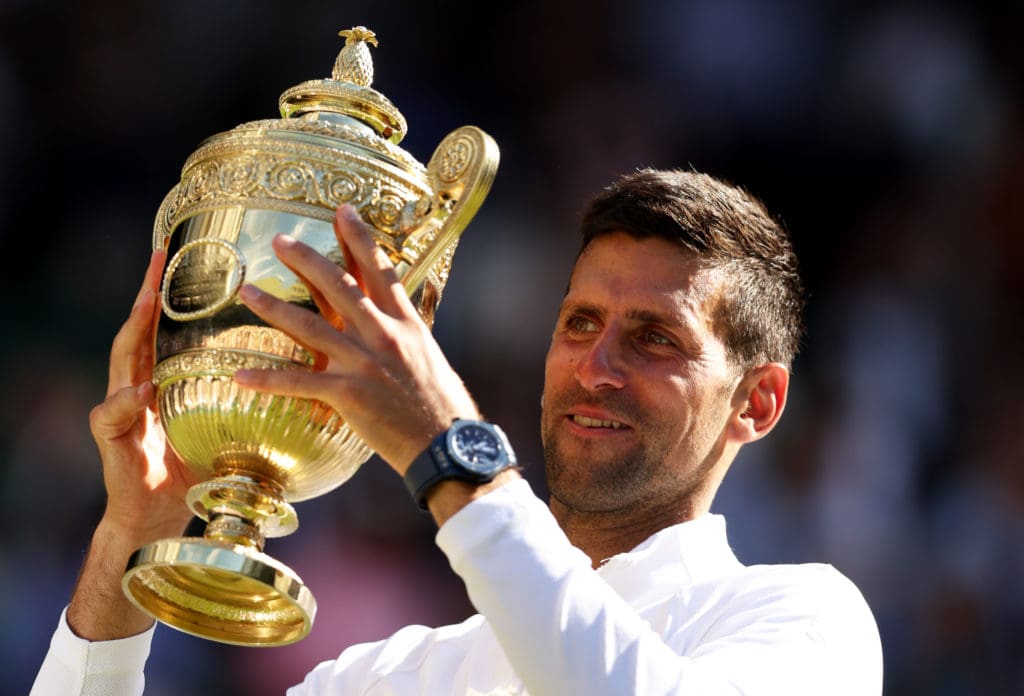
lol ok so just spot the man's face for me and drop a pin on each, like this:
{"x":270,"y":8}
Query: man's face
{"x":637,"y":388}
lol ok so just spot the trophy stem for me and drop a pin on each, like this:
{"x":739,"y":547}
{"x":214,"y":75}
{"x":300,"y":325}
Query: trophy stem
{"x":242,"y":509}
{"x":234,"y":530}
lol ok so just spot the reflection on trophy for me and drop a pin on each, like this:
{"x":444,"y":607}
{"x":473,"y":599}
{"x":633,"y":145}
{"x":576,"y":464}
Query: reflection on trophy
{"x":254,"y":453}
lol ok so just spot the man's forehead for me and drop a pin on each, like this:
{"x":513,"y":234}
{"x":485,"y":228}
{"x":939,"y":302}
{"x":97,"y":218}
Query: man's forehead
{"x":621,"y":258}
{"x":648,"y":274}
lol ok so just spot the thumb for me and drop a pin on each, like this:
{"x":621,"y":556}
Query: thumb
{"x":120,"y":411}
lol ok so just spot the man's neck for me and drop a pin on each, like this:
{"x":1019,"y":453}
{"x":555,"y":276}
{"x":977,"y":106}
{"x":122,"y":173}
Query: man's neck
{"x":602,"y":535}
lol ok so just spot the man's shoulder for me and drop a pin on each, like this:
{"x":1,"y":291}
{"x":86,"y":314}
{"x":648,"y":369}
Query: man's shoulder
{"x":815,"y":589}
{"x":814,"y":598}
{"x":806,"y":617}
{"x":808,"y":577}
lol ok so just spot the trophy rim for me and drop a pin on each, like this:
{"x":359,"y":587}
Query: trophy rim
{"x":206,"y":588}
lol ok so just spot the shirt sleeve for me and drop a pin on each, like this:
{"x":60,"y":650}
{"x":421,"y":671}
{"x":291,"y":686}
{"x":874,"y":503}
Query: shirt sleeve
{"x":566,"y":631}
{"x":78,"y":667}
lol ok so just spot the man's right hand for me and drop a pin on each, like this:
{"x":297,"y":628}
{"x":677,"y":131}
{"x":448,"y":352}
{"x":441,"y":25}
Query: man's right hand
{"x":145,"y":481}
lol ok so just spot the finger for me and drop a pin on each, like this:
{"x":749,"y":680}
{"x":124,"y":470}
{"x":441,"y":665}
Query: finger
{"x":337,"y":286}
{"x":326,"y":310}
{"x":350,"y":264}
{"x":288,"y":382}
{"x":153,"y":272}
{"x":133,"y":345}
{"x":304,"y":327}
{"x":369,"y":264}
{"x":120,"y":411}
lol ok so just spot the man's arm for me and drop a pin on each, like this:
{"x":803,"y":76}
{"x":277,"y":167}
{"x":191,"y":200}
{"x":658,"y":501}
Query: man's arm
{"x":145,"y":483}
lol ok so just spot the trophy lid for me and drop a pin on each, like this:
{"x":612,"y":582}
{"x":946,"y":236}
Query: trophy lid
{"x":347,"y":92}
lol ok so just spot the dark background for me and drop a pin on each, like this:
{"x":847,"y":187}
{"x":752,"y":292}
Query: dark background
{"x":887,"y":136}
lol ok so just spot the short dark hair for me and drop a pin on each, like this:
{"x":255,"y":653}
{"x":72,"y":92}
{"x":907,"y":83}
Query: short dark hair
{"x":758,"y":311}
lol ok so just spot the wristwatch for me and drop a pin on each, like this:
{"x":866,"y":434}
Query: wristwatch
{"x":469,"y":450}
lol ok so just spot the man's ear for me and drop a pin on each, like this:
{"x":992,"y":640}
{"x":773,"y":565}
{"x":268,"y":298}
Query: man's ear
{"x":758,"y":401}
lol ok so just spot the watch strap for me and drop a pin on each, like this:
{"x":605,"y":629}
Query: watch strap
{"x":429,"y":469}
{"x":437,"y":463}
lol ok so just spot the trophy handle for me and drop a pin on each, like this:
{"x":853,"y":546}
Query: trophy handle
{"x":461,"y":172}
{"x":162,"y":224}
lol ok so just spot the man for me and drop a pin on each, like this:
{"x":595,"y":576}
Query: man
{"x":671,"y":350}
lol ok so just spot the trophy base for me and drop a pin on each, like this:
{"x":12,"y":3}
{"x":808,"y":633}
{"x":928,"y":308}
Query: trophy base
{"x":224,"y":592}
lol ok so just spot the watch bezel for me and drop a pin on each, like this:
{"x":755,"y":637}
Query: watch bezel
{"x":443,"y":460}
{"x":456,"y":445}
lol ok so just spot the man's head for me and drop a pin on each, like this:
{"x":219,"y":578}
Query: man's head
{"x":671,"y":349}
{"x":757,"y":312}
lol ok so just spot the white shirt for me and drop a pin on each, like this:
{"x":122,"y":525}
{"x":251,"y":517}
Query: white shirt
{"x":679,"y":614}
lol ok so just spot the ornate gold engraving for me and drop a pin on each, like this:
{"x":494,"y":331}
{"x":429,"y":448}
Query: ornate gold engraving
{"x":287,"y":175}
{"x":455,"y":159}
{"x":218,"y":362}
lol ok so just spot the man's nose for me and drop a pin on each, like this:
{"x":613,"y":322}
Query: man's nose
{"x":602,"y":366}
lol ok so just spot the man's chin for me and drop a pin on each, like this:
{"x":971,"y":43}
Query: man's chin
{"x":589,"y":501}
{"x":590,"y":487}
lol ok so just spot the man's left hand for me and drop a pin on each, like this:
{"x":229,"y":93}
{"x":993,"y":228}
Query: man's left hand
{"x":377,"y":363}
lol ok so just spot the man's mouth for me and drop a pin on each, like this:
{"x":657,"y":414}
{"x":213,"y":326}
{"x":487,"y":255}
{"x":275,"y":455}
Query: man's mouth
{"x":586,"y":422}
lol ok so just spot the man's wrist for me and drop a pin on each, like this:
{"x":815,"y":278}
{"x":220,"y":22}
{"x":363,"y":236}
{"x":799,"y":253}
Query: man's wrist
{"x":99,"y":609}
{"x":136,"y":533}
{"x":448,"y":497}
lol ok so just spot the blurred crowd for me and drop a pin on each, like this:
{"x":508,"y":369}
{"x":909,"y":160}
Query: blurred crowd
{"x":887,"y":136}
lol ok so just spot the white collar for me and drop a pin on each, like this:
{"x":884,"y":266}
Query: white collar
{"x":682,"y":554}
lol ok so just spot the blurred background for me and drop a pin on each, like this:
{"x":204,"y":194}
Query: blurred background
{"x":887,"y":136}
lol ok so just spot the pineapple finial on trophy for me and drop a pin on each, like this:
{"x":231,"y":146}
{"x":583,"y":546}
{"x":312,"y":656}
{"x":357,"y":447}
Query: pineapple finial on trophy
{"x":354,"y":63}
{"x":347,"y":96}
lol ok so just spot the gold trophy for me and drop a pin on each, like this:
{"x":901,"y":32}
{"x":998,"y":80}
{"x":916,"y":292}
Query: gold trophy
{"x":254,"y":453}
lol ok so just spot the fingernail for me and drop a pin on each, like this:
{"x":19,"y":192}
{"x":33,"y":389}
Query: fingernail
{"x":146,"y":294}
{"x":250,"y":293}
{"x":350,"y":213}
{"x":284,"y":240}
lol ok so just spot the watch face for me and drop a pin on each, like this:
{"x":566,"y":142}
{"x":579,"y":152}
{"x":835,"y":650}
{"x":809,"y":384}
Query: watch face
{"x":477,"y":447}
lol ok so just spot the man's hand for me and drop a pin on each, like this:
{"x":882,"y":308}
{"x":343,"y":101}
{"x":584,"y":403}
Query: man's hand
{"x":145,"y":481}
{"x":378,"y":364}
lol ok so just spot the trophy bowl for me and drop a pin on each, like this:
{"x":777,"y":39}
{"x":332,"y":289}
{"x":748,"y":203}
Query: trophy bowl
{"x":253,"y":453}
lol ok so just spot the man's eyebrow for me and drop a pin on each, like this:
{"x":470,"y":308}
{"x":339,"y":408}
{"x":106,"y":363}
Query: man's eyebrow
{"x":582,"y":307}
{"x":673,"y":319}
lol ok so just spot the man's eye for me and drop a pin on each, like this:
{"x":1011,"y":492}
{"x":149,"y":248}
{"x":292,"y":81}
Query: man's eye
{"x":580,"y":325}
{"x":656,"y":338}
